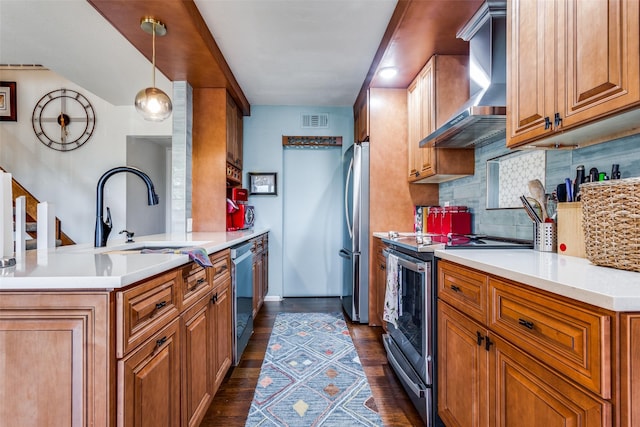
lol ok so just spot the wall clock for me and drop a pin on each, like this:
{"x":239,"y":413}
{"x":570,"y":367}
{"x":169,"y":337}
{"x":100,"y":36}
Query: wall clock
{"x":63,"y":119}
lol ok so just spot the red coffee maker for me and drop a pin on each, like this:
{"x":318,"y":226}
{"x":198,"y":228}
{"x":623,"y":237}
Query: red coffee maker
{"x":240,"y":216}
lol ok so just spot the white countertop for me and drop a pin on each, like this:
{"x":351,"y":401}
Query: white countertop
{"x":81,"y":267}
{"x":572,"y":277}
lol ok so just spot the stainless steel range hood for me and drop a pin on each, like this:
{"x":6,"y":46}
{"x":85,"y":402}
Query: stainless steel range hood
{"x":482,"y":119}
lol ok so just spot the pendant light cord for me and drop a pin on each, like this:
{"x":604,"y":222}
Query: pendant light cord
{"x":153,"y":55}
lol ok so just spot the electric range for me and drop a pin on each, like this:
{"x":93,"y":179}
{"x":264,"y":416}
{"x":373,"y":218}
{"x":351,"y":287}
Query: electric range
{"x":421,"y":243}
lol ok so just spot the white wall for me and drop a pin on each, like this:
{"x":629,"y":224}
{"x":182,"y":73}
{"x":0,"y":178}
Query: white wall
{"x":150,"y":154}
{"x":68,"y":179}
{"x":263,"y":152}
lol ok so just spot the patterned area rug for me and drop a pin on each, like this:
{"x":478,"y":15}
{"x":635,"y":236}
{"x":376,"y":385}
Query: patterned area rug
{"x":312,"y":376}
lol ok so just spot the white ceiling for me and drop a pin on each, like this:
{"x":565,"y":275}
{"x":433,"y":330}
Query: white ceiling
{"x":282,"y":52}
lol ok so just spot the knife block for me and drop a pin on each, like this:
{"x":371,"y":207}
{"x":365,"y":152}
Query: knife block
{"x":570,"y":232}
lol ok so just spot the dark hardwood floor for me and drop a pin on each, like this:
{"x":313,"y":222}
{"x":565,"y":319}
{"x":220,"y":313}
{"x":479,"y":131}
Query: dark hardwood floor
{"x":232,"y":401}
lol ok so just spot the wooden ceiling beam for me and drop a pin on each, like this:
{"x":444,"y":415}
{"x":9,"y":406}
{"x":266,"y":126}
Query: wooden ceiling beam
{"x":187,"y":53}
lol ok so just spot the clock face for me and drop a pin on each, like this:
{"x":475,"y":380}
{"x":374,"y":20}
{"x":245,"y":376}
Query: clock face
{"x":63,"y":119}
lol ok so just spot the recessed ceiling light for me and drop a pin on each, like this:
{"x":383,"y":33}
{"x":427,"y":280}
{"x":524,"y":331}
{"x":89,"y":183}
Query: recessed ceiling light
{"x":388,"y":72}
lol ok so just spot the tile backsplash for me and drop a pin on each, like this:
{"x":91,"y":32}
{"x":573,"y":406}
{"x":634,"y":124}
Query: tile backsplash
{"x":560,"y":164}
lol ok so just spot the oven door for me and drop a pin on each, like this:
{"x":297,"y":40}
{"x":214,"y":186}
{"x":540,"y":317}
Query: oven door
{"x":412,"y":336}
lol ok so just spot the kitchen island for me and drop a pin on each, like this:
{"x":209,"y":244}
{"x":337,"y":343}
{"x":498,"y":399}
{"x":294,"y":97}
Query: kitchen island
{"x":110,"y":336}
{"x":540,"y":330}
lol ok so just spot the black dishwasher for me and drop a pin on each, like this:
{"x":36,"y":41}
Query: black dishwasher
{"x":242,"y":284}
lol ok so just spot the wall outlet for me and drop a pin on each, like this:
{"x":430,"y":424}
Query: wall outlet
{"x":189,"y":225}
{"x":446,"y":204}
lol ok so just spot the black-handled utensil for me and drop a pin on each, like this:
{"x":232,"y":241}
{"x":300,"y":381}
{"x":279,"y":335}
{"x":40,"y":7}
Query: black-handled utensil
{"x":579,"y":180}
{"x":529,"y":210}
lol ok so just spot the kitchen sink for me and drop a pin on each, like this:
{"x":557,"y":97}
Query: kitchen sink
{"x":139,"y":248}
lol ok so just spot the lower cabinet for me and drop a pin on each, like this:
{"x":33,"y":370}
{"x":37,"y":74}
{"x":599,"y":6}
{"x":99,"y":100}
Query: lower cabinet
{"x":197,"y":378}
{"x":170,"y":378}
{"x":379,"y":281}
{"x":54,"y":363}
{"x":221,"y":337}
{"x":149,"y":381}
{"x":260,"y":271}
{"x":489,"y":379}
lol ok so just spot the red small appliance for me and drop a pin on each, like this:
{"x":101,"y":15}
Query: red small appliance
{"x":240,"y":215}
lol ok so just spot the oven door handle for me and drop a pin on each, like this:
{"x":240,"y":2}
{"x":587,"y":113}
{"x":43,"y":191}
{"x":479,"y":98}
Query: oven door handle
{"x":406,"y":262}
{"x":415,"y":388}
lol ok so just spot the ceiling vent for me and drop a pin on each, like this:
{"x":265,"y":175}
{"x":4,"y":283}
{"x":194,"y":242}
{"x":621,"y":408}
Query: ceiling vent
{"x":315,"y":121}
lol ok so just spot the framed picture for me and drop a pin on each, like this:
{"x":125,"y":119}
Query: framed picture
{"x":263,"y":183}
{"x":8,"y":112}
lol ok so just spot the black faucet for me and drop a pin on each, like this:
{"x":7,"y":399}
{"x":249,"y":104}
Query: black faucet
{"x":104,"y":228}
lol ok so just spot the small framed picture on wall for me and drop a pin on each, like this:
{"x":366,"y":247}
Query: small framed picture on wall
{"x":263,"y":183}
{"x":8,"y":112}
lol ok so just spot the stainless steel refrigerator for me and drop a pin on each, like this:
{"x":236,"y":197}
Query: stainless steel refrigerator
{"x":355,"y":246}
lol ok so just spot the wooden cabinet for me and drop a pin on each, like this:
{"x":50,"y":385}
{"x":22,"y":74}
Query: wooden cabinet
{"x":463,"y":370}
{"x":570,"y":63}
{"x":148,"y":382}
{"x":440,"y":88}
{"x":55,"y":366}
{"x":260,"y":271}
{"x":222,"y":322}
{"x":215,"y":139}
{"x":528,"y":394}
{"x":379,"y":284}
{"x":198,"y":376}
{"x":361,"y":117}
{"x":179,"y":348}
{"x":512,"y":355}
{"x":234,"y":134}
{"x":630,"y":369}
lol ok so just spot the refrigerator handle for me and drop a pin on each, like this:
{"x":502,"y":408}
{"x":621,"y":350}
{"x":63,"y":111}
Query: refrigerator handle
{"x":344,"y":254}
{"x":346,"y":200}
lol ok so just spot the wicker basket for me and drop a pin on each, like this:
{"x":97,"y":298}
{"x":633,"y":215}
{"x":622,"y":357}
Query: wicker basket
{"x":611,"y":223}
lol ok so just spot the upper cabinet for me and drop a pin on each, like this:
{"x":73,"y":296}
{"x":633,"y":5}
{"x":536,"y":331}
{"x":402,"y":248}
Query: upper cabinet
{"x":571,"y":63}
{"x":440,"y":88}
{"x":234,"y":141}
{"x":361,"y":118}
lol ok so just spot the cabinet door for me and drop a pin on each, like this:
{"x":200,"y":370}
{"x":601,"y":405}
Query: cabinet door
{"x":265,"y":269}
{"x":531,"y":84}
{"x":630,"y":369}
{"x":361,"y":121}
{"x":529,"y":395}
{"x":54,"y":359}
{"x":197,"y":380}
{"x":414,"y":131}
{"x":463,"y":384}
{"x":600,"y":58}
{"x":149,"y":381}
{"x":222,"y":333}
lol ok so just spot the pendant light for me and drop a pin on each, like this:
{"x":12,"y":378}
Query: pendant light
{"x":153,"y":103}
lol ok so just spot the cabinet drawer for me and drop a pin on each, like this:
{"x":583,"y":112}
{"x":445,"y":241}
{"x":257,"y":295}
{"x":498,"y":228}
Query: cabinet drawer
{"x":571,"y":338}
{"x":195,"y":283}
{"x":145,"y":308}
{"x":464,"y":289}
{"x":221,"y":266}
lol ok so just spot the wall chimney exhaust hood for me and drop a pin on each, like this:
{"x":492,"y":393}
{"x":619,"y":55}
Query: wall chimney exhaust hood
{"x":482,"y":119}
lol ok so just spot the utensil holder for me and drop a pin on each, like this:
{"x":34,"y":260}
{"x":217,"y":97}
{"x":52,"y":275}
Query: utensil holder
{"x":545,"y":236}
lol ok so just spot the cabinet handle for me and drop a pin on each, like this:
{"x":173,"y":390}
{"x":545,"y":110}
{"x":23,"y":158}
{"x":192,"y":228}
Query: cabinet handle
{"x":488,"y":343}
{"x":547,"y":123}
{"x":557,"y":120}
{"x":479,"y":337}
{"x":454,"y":288}
{"x":527,"y":324}
{"x":161,"y":341}
{"x":214,"y":298}
{"x":417,"y":174}
{"x":383,"y":267}
{"x":160,"y":305}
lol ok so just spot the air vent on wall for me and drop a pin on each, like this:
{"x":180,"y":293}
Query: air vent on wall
{"x":315,"y":121}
